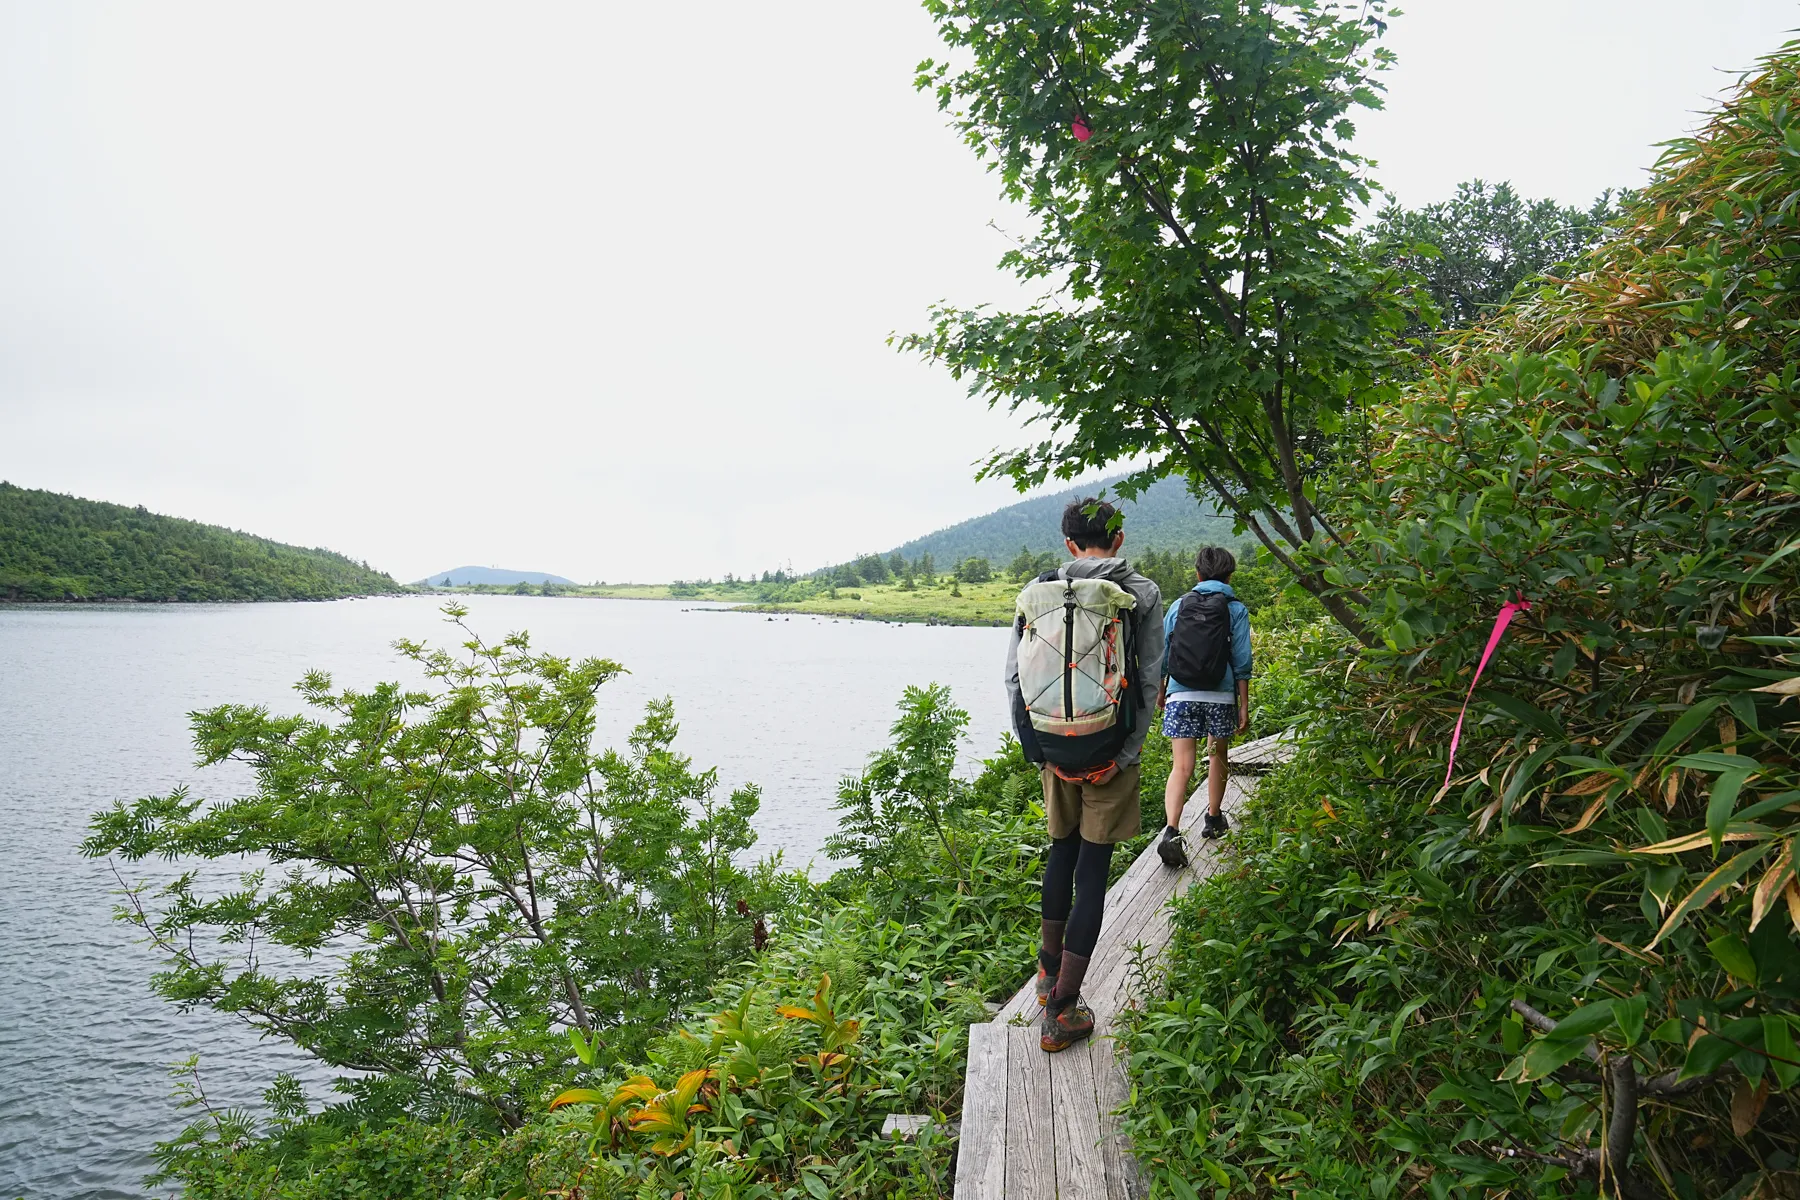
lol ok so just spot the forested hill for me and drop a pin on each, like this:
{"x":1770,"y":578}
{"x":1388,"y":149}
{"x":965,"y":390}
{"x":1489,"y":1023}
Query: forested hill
{"x":1164,"y":518}
{"x":55,"y":547}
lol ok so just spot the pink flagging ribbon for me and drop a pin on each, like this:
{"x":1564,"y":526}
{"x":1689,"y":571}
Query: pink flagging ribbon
{"x":1080,"y":129}
{"x":1500,"y":623}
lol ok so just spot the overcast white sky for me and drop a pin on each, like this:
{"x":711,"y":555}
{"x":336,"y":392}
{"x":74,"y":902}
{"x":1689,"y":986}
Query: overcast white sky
{"x":602,"y":288}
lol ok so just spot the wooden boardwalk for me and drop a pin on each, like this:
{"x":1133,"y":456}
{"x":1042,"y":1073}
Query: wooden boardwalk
{"x":1037,"y":1125}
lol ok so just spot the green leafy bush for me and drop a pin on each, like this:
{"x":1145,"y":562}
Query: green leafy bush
{"x":458,"y":875}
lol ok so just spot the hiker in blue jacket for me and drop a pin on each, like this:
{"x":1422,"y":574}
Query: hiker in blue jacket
{"x":1205,"y":691}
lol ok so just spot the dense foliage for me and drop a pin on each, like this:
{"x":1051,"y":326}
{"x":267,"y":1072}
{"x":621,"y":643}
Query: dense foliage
{"x":1570,"y":963}
{"x":454,"y":878}
{"x":55,"y":547}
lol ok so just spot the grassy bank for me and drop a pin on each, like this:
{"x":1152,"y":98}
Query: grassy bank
{"x":939,"y":603}
{"x":966,"y":604}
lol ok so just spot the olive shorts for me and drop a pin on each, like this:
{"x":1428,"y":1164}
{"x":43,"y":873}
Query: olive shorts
{"x":1103,"y":812}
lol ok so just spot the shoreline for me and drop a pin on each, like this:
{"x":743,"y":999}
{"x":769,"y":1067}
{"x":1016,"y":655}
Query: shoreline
{"x":982,"y":617}
{"x":868,"y":615}
{"x":85,"y":601}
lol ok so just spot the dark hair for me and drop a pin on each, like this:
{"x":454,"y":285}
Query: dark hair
{"x":1089,"y":532}
{"x":1215,"y":562}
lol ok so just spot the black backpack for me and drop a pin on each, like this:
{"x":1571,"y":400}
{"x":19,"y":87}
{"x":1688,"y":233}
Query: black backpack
{"x":1200,"y":644}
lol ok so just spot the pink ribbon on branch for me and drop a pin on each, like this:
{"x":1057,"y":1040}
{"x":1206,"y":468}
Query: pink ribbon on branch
{"x":1501,"y":621}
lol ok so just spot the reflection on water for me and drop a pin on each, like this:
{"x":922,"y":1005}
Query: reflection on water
{"x":93,"y":704}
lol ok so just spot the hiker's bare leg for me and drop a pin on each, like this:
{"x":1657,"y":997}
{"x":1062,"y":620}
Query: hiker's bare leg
{"x":1218,"y":765}
{"x":1181,"y":773}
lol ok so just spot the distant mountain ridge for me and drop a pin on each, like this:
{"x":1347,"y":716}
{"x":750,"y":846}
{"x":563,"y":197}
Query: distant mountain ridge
{"x":1165,"y":517}
{"x":490,"y":577}
{"x":57,"y":547}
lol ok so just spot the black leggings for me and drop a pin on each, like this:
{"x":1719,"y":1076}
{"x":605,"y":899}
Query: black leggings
{"x":1076,"y":871}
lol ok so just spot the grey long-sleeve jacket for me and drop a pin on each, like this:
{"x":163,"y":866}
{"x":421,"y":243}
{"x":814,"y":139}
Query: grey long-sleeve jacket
{"x":1147,"y":627}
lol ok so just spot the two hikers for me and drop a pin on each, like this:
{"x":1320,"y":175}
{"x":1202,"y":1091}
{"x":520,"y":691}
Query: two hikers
{"x":1087,"y":639}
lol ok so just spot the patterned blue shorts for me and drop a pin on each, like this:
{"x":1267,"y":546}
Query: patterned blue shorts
{"x":1198,"y":719}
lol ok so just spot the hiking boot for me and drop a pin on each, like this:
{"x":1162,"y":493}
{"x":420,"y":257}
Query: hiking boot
{"x":1215,"y":825}
{"x":1170,"y":849}
{"x":1049,"y":960}
{"x":1065,"y":1025}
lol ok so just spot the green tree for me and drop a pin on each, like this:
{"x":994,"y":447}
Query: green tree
{"x":974,"y":570}
{"x":896,"y":813}
{"x":897,"y":565}
{"x":1187,"y":163}
{"x":872,"y":568}
{"x":1023,"y":566}
{"x":1475,"y":249}
{"x":927,"y":569}
{"x":457,"y":877}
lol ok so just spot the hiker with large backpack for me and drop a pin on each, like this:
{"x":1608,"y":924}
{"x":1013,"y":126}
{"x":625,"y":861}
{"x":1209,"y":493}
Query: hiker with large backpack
{"x":1205,"y":691}
{"x":1086,"y":642}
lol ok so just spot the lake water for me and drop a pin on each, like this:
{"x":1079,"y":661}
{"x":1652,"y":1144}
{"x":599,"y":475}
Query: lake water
{"x":93,"y":704}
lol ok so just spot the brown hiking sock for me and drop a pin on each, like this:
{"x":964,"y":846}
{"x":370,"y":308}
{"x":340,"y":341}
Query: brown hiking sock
{"x":1050,"y":957}
{"x":1068,"y":979}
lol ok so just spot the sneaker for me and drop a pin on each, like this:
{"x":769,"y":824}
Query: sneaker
{"x":1046,"y":983}
{"x":1172,"y":852}
{"x":1214,"y":826}
{"x":1063,"y":1028}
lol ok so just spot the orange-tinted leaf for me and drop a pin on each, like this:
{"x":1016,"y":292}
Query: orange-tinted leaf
{"x":1589,"y":784}
{"x":1588,"y":817}
{"x":1774,"y":881}
{"x":578,"y":1096}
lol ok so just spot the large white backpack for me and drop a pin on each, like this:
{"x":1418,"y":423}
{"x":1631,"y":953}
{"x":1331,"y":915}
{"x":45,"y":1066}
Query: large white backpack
{"x":1075,"y":667}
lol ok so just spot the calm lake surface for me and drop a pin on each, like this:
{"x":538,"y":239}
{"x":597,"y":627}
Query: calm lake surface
{"x":93,"y":704}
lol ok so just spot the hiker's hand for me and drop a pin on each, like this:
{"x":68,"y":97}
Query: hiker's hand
{"x":1243,"y":717}
{"x":1162,"y":695}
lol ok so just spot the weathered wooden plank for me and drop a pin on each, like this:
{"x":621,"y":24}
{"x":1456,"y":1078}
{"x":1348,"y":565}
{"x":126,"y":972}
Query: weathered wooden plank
{"x":1030,"y":1128}
{"x":1080,"y":1169}
{"x":1110,"y":989}
{"x":1146,"y":922}
{"x":981,"y":1152}
{"x":1124,"y":1179}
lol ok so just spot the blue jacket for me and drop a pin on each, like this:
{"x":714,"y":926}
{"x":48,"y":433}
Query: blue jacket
{"x":1241,"y":663}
